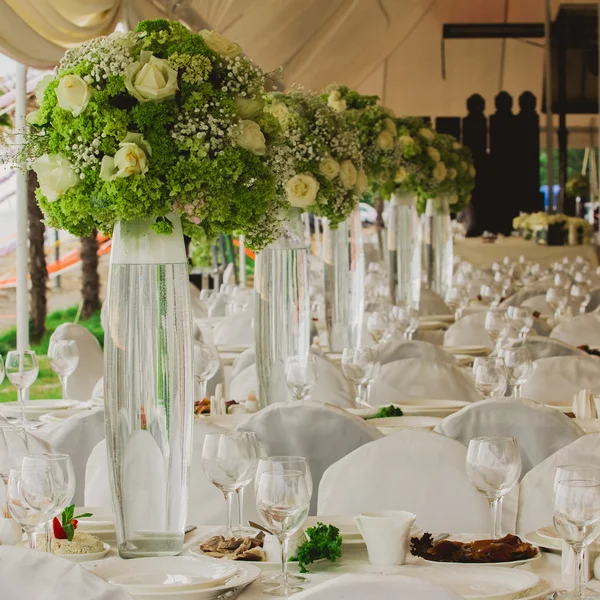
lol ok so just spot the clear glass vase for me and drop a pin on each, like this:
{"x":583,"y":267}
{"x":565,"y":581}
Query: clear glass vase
{"x":404,"y":250}
{"x":148,"y":388}
{"x":437,"y":246}
{"x":281,"y":308}
{"x":344,"y":272}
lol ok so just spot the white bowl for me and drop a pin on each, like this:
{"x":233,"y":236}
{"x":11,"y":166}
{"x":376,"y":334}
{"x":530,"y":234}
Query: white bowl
{"x":78,"y":558}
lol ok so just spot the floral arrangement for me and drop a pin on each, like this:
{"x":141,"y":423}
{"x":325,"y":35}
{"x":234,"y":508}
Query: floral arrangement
{"x":155,"y":122}
{"x":539,"y":220}
{"x":578,"y":186}
{"x":323,"y":155}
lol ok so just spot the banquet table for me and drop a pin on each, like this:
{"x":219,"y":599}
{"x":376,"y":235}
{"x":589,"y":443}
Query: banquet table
{"x":482,"y":255}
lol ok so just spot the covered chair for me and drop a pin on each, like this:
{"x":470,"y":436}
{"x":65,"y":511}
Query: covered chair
{"x":418,"y":471}
{"x":537,"y":487}
{"x":90,"y":367}
{"x":539,"y":430}
{"x":432,"y":304}
{"x":538,"y":304}
{"x":579,"y":330}
{"x":235,"y":330}
{"x":322,"y":434}
{"x":400,"y":350}
{"x":522,"y":296}
{"x":545,"y":347}
{"x":414,"y":378}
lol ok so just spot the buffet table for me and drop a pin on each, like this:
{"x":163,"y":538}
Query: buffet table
{"x":481,"y":254}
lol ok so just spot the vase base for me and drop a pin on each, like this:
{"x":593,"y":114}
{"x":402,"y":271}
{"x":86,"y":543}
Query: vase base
{"x":152,"y":545}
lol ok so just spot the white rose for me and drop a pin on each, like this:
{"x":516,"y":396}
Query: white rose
{"x":401,"y":175}
{"x":131,"y":158}
{"x":463,"y":165}
{"x":348,"y":174}
{"x":249,"y":136}
{"x":329,"y":167}
{"x":390,"y":126}
{"x":385,"y":140}
{"x":362,"y":183}
{"x":280,"y":111}
{"x":151,"y":78}
{"x":41,"y":86}
{"x":55,"y":175}
{"x":453,"y":199}
{"x":439,"y":173}
{"x":427,"y":134}
{"x":456,"y":145}
{"x":452,"y":173}
{"x":433,"y":153}
{"x":248,"y":107}
{"x":335,"y":101}
{"x":73,"y":94}
{"x":405,"y":140}
{"x":472,"y":171}
{"x":220,"y":45}
{"x":301,"y":190}
{"x":34,"y":118}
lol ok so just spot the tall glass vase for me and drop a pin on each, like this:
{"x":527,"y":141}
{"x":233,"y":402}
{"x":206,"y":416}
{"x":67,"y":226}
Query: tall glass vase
{"x":437,"y":246}
{"x":148,"y":387}
{"x":404,"y":250}
{"x":344,"y":271}
{"x":281,"y":308}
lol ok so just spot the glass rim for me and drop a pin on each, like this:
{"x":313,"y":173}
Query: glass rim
{"x":581,"y":483}
{"x":49,"y":456}
{"x":283,"y":458}
{"x":493,"y":438}
{"x":574,"y":466}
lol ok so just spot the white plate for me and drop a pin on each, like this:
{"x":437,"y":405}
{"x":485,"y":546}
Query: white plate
{"x":390,"y":425}
{"x":430,"y":408}
{"x":470,"y":350}
{"x":78,"y":558}
{"x":175,"y":572}
{"x":443,"y":318}
{"x":58,"y":416}
{"x":34,"y":409}
{"x":432,"y":325}
{"x":543,"y":542}
{"x":227,"y":421}
{"x":484,"y":583}
{"x":363,"y":413}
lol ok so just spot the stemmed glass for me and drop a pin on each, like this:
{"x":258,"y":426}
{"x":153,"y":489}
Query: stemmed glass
{"x":301,"y":376}
{"x":457,"y":300}
{"x":228,"y":460}
{"x":490,"y":376}
{"x":557,"y":299}
{"x":493,"y":466}
{"x":282,"y":500}
{"x":406,"y":320}
{"x":254,"y":449}
{"x":571,"y":472}
{"x":577,"y":521}
{"x":496,"y":325}
{"x":522,"y":319}
{"x":358,"y":366}
{"x":22,"y":370}
{"x":13,"y":447}
{"x":63,"y":356}
{"x":581,"y":294}
{"x":1,"y":369}
{"x":206,"y":364}
{"x":518,"y":366}
{"x":31,"y":499}
{"x":380,"y":326}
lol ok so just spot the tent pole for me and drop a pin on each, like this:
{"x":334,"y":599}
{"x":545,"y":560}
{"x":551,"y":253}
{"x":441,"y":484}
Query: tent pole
{"x":22,"y":286}
{"x":549,"y":127}
{"x":242,"y":261}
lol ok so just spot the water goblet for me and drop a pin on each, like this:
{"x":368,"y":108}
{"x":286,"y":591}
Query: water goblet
{"x":380,"y":325}
{"x":518,"y":366}
{"x":301,"y":376}
{"x":490,"y":376}
{"x":521,"y":318}
{"x":496,"y":326}
{"x":557,"y":298}
{"x":358,"y":365}
{"x":22,"y":370}
{"x":581,"y":295}
{"x":457,"y":301}
{"x":406,"y":320}
{"x":63,"y":356}
{"x":582,"y":472}
{"x":254,"y":448}
{"x":206,"y":364}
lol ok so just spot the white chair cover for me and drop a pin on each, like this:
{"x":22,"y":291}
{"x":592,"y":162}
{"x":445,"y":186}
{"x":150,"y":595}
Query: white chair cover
{"x":400,"y":350}
{"x":594,"y":302}
{"x":377,"y":587}
{"x":90,"y":368}
{"x":419,"y":471}
{"x":29,"y":574}
{"x":199,"y":309}
{"x":322,"y":434}
{"x":432,"y":304}
{"x":545,"y":347}
{"x":559,"y":378}
{"x":520,"y":297}
{"x":98,"y":391}
{"x":245,"y":359}
{"x":219,"y":307}
{"x":538,"y":303}
{"x":539,"y":430}
{"x":579,"y":330}
{"x":414,"y":378}
{"x":537,"y":487}
{"x":235,"y":330}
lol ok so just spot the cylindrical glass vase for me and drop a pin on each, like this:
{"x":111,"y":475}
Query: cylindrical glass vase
{"x":404,"y":250}
{"x":281,"y":308}
{"x":344,"y":272}
{"x":437,"y":246}
{"x":148,"y":388}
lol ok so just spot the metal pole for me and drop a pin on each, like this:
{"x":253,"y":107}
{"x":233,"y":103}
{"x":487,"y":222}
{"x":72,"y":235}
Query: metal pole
{"x":22,"y":287}
{"x":57,"y":254}
{"x":549,"y":126}
{"x":242,"y":261}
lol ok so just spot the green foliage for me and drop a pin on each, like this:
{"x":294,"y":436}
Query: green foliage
{"x":387,"y":411}
{"x":324,"y":541}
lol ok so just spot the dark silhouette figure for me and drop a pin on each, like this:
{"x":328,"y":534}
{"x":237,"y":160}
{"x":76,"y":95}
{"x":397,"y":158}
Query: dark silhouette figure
{"x":527,"y":149}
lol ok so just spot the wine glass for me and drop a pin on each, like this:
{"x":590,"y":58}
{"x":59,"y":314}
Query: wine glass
{"x":358,"y":366}
{"x":522,"y":319}
{"x":63,"y":356}
{"x":518,"y":366}
{"x":22,"y":370}
{"x":457,"y":301}
{"x":577,"y":521}
{"x":490,"y":376}
{"x":496,"y":325}
{"x":493,"y":466}
{"x":254,"y":449}
{"x":301,"y":376}
{"x":228,"y":461}
{"x":31,"y":499}
{"x":406,"y":320}
{"x":63,"y":474}
{"x":380,"y":326}
{"x":282,"y":500}
{"x":581,"y":294}
{"x":582,"y":472}
{"x":206,"y":364}
{"x":557,"y":299}
{"x":13,"y":448}
{"x":1,"y":369}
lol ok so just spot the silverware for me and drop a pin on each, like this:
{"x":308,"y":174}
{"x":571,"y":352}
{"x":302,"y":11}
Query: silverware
{"x":190,"y":528}
{"x":439,"y":537}
{"x":259,"y":527}
{"x":232,"y":594}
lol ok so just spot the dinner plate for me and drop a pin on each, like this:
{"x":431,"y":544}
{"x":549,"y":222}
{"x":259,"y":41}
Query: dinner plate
{"x":431,"y":325}
{"x":58,"y":416}
{"x":79,"y":558}
{"x":365,"y":412}
{"x":34,"y":409}
{"x":484,"y":583}
{"x":470,"y":350}
{"x":442,"y":318}
{"x":430,"y":407}
{"x":543,"y":542}
{"x":233,"y":348}
{"x":389,"y":425}
{"x":179,"y":577}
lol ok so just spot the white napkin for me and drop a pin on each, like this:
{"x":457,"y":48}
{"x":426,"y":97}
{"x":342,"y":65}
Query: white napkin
{"x":584,"y":405}
{"x":32,"y":574}
{"x":377,"y":587}
{"x":217,"y":402}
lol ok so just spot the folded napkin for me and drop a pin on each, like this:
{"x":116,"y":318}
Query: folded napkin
{"x":217,"y":402}
{"x":30,"y":574}
{"x":377,"y":587}
{"x":584,"y":405}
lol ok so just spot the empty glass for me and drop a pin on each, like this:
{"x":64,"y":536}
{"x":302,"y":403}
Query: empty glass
{"x":358,"y":366}
{"x":521,"y":318}
{"x":254,"y":447}
{"x":490,"y":376}
{"x":406,"y":320}
{"x":282,"y":500}
{"x":582,"y":472}
{"x":457,"y":300}
{"x":301,"y":376}
{"x":494,"y":466}
{"x":63,"y":356}
{"x":496,"y":326}
{"x":581,"y":296}
{"x":13,"y":448}
{"x":380,"y":325}
{"x":1,"y":369}
{"x":557,"y":298}
{"x":228,"y":461}
{"x":206,"y":364}
{"x":577,"y":521}
{"x":22,"y":370}
{"x":518,"y":366}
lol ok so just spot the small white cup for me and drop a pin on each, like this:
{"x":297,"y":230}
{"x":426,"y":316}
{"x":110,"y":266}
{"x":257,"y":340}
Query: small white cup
{"x":386,"y":533}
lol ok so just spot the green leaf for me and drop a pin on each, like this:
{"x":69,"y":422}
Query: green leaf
{"x":83,"y":516}
{"x":324,"y":541}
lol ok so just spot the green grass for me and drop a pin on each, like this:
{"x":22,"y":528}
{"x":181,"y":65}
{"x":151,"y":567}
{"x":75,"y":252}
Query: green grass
{"x":47,"y":384}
